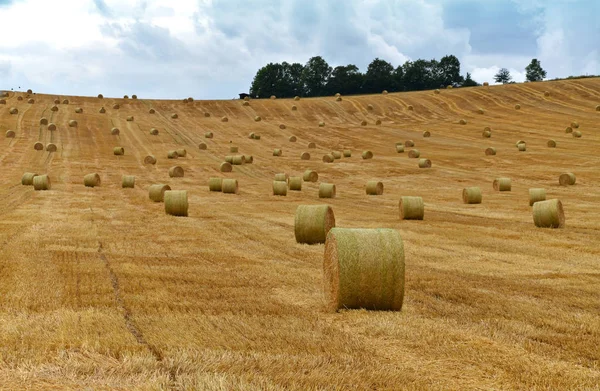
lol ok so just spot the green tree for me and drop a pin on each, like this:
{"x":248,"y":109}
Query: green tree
{"x":503,"y":76}
{"x":265,"y":82}
{"x":421,"y":75}
{"x":293,"y":75}
{"x":346,"y":80}
{"x":534,"y":71}
{"x":469,"y":82}
{"x":315,"y":75}
{"x":448,"y":71}
{"x":398,"y":77}
{"x":378,"y":77}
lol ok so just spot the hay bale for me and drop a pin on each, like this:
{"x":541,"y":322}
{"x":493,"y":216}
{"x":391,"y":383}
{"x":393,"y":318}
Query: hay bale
{"x":338,"y":99}
{"x":119,"y":151}
{"x":374,"y":188}
{"x":157,"y":192}
{"x":326,"y":190}
{"x":115,"y":131}
{"x":172,"y":155}
{"x":215,"y":184}
{"x":480,"y":111}
{"x":328,"y":158}
{"x":14,"y":110}
{"x":522,"y":147}
{"x":575,"y":125}
{"x":462,"y":122}
{"x":517,"y":107}
{"x":233,"y":149}
{"x":384,"y":92}
{"x":295,"y":183}
{"x":10,"y":134}
{"x":50,"y":147}
{"x":279,"y":188}
{"x":347,"y":153}
{"x":208,"y":135}
{"x":38,"y":146}
{"x":19,"y":98}
{"x":79,"y":110}
{"x":151,"y":111}
{"x":51,"y":127}
{"x":491,"y":151}
{"x":363,"y":123}
{"x":305,"y":156}
{"x":174,"y":116}
{"x":176,"y":203}
{"x":568,"y":129}
{"x":277,"y":152}
{"x":411,"y":208}
{"x":202,"y":146}
{"x":181,"y":152}
{"x":567,"y":179}
{"x":294,"y":108}
{"x":43,"y":121}
{"x":56,"y":101}
{"x":176,"y":172}
{"x":519,"y":142}
{"x":100,"y":96}
{"x":2,"y":101}
{"x":125,"y":97}
{"x":551,"y":143}
{"x":337,"y":94}
{"x":296,"y":98}
{"x":154,"y":132}
{"x":257,"y":118}
{"x":321,"y":124}
{"x":548,"y":214}
{"x":91,"y":180}
{"x":502,"y":184}
{"x":399,"y":148}
{"x":224,"y":119}
{"x":312,"y":145}
{"x":409,"y":143}
{"x":487,"y":134}
{"x":73,"y":123}
{"x":378,"y":122}
{"x":536,"y":195}
{"x":546,"y":94}
{"x":312,"y":223}
{"x":128,"y":182}
{"x":229,"y":159}
{"x":65,"y":102}
{"x":281,"y":177}
{"x":436,"y":91}
{"x":364,"y":268}
{"x":134,"y":96}
{"x":367,"y":155}
{"x":251,"y":136}
{"x":30,"y":101}
{"x":41,"y":182}
{"x":238,"y":160}
{"x":424,"y":163}
{"x":249,"y":159}
{"x":257,"y":136}
{"x":116,"y":106}
{"x":246,"y":103}
{"x":225,"y":167}
{"x":54,"y":108}
{"x":449,"y":87}
{"x":310,"y":176}
{"x":471,"y":195}
{"x":292,"y":139}
{"x":336,"y":155}
{"x":598,"y":108}
{"x":414,"y":153}
{"x":230,"y":186}
{"x":150,"y":159}
{"x":102,"y":110}
{"x":130,"y":118}
{"x":273,"y":97}
{"x":370,"y":107}
{"x":206,"y":114}
{"x":426,"y":134}
{"x":27,"y":178}
{"x":576,"y":134}
{"x":282,"y":126}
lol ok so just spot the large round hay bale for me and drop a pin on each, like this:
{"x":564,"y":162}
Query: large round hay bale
{"x":568,"y":129}
{"x":292,"y":139}
{"x":378,"y":122}
{"x":79,"y":110}
{"x":10,"y":134}
{"x":91,"y":180}
{"x":233,"y":149}
{"x":134,"y":96}
{"x":224,"y":119}
{"x":50,"y":147}
{"x":102,"y":110}
{"x":206,"y":114}
{"x":27,"y":178}
{"x":30,"y":101}
{"x":522,"y":147}
{"x":336,"y":155}
{"x":551,"y":143}
{"x":174,"y":116}
{"x":41,"y":182}
{"x":249,"y":159}
{"x":326,"y":190}
{"x":215,"y":184}
{"x":480,"y":111}
{"x":2,"y":101}
{"x":296,"y":98}
{"x":157,"y":192}
{"x":73,"y":123}
{"x":116,"y":106}
{"x":363,"y":123}
{"x":202,"y":146}
{"x":310,"y":176}
{"x":208,"y":135}
{"x":598,"y":108}
{"x":399,"y":148}
{"x":487,"y":134}
{"x":546,"y":94}
{"x":321,"y":124}
{"x":190,"y":99}
{"x":370,"y":107}
{"x":436,"y":91}
{"x":367,"y":155}
{"x":238,"y":160}
{"x":548,"y":214}
{"x":151,"y":111}
{"x":119,"y":151}
{"x":337,"y":94}
{"x":54,"y":108}
{"x":411,"y":208}
{"x":312,"y":223}
{"x":575,"y":125}
{"x":176,"y":172}
{"x":51,"y":127}
{"x":364,"y":268}
{"x":427,"y":133}
{"x":230,"y":186}
{"x":281,"y":177}
{"x":246,"y":103}
{"x":347,"y":153}
{"x":176,"y":202}
{"x":251,"y":136}
{"x":462,"y":122}
{"x":305,"y":156}
{"x":65,"y":102}
{"x":517,"y":107}
{"x":536,"y":195}
{"x":471,"y":195}
{"x":154,"y":132}
{"x":100,"y":96}
{"x":486,"y":84}
{"x":576,"y":134}
{"x":491,"y":151}
{"x":225,"y":167}
{"x":374,"y":188}
{"x":328,"y":158}
{"x":409,"y":143}
{"x":277,"y":152}
{"x":256,"y":136}
{"x":43,"y":121}
{"x":424,"y":163}
{"x":56,"y":101}
{"x":172,"y":155}
{"x":115,"y":131}
{"x":273,"y":97}
{"x":338,"y":99}
{"x":257,"y":118}
{"x":282,"y":126}
{"x":280,"y":188}
{"x":502,"y":184}
{"x":181,"y":152}
{"x":519,"y":142}
{"x":129,"y":118}
{"x":312,"y":145}
{"x":125,"y":96}
{"x":294,"y":108}
{"x":150,"y":159}
{"x":295,"y":183}
{"x":13,"y":110}
{"x":128,"y":181}
{"x":38,"y":146}
{"x":567,"y":179}
{"x":414,"y":153}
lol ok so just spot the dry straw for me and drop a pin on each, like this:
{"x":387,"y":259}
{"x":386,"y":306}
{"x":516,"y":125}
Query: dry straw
{"x":347,"y":153}
{"x":157,"y":192}
{"x":14,"y":110}
{"x":172,"y":155}
{"x":100,"y":96}
{"x":27,"y":178}
{"x":522,"y":147}
{"x":73,"y":123}
{"x":312,"y":223}
{"x":151,"y":111}
{"x":374,"y":188}
{"x":279,"y":188}
{"x":43,"y":121}
{"x":336,"y":155}
{"x":102,"y":110}
{"x":128,"y":182}
{"x":30,"y":101}
{"x":208,"y":135}
{"x":517,"y":106}
{"x":575,"y":125}
{"x":154,"y":132}
{"x":367,"y":155}
{"x":312,"y":145}
{"x":364,"y":268}
{"x":424,"y":163}
{"x":548,"y":214}
{"x":369,"y":107}
{"x":249,"y":159}
{"x":414,"y":153}
{"x":91,"y":180}
{"x":487,"y":134}
{"x":282,"y":126}
{"x":215,"y":184}
{"x":294,"y":108}
{"x":328,"y":158}
{"x":41,"y":182}
{"x":462,"y":122}
{"x":471,"y":195}
{"x":305,"y":156}
{"x":577,"y":134}
{"x":502,"y":184}
{"x":409,"y":143}
{"x":363,"y":123}
{"x":310,"y":176}
{"x":79,"y":110}
{"x":206,"y":114}
{"x":176,"y":202}
{"x":10,"y":134}
{"x":326,"y":190}
{"x":50,"y":147}
{"x":536,"y":195}
{"x":225,"y":167}
{"x":321,"y":124}
{"x":426,"y":133}
{"x":277,"y":152}
{"x":130,"y":118}
{"x":202,"y":146}
{"x":551,"y":143}
{"x":181,"y":152}
{"x":567,"y":179}
{"x":411,"y":208}
{"x":296,"y":98}
{"x":399,"y":148}
{"x":295,"y":183}
{"x":238,"y":160}
{"x":281,"y":177}
{"x":119,"y":151}
{"x":38,"y":146}
{"x":568,"y":129}
{"x":230,"y":186}
{"x":224,"y":119}
{"x":150,"y":159}
{"x":176,"y":172}
{"x":54,"y":108}
{"x":292,"y":139}
{"x":115,"y":131}
{"x":257,"y":118}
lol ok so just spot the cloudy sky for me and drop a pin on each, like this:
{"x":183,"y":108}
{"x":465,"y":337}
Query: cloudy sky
{"x":211,"y":49}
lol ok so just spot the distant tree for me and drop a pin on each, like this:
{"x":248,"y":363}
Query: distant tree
{"x":534,"y":71}
{"x":415,"y":75}
{"x":266,"y":81}
{"x":448,"y":71}
{"x":378,"y":77}
{"x":315,"y":75}
{"x":293,"y":74}
{"x":345,"y":79}
{"x":503,"y":76}
{"x":469,"y":82}
{"x":398,"y":77}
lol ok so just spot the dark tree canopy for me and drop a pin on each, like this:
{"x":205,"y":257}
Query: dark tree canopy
{"x":315,"y":75}
{"x":379,"y":76}
{"x":534,"y":71}
{"x":469,"y":82}
{"x":346,"y":80}
{"x":503,"y":76}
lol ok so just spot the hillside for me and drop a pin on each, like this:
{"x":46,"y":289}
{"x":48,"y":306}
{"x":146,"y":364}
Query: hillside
{"x":100,"y":288}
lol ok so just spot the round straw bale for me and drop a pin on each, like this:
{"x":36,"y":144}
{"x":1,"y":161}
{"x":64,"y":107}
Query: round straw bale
{"x":519,"y":142}
{"x":577,"y":134}
{"x":273,"y":97}
{"x":38,"y":146}
{"x":310,"y":176}
{"x":257,"y":136}
{"x":552,"y":143}
{"x":27,"y":178}
{"x":157,"y":192}
{"x":292,"y":139}
{"x":224,"y":119}
{"x":134,"y":96}
{"x":536,"y":195}
{"x":374,"y":188}
{"x":548,"y":214}
{"x":568,"y":129}
{"x":174,"y":116}
{"x":116,"y":106}
{"x":54,"y":108}
{"x":336,"y":155}
{"x":546,"y":94}
{"x":364,"y":268}
{"x":246,"y":103}
{"x":462,"y":122}
{"x":522,"y":147}
{"x":229,"y":159}
{"x":294,"y":108}
{"x":176,"y":172}
{"x":226,"y":167}
{"x":598,"y":108}
{"x":281,"y":177}
{"x":312,"y":223}
{"x":411,"y":208}
{"x":480,"y":111}
{"x":426,"y":133}
{"x":176,"y":202}
{"x":305,"y":156}
{"x":487,"y":129}
{"x":409,"y":143}
{"x":399,"y":148}
{"x":119,"y":151}
{"x":312,"y":145}
{"x":130,"y":118}
{"x":128,"y":181}
{"x":50,"y":147}
{"x":208,"y":135}
{"x":10,"y":134}
{"x":41,"y":182}
{"x":172,"y":155}
{"x":491,"y":151}
{"x":502,"y":184}
{"x":321,"y":124}
{"x":91,"y":180}
{"x":102,"y":110}
{"x":328,"y":158}
{"x":125,"y":96}
{"x":181,"y":152}
{"x":279,"y":188}
{"x":13,"y":110}
{"x":79,"y":110}
{"x":56,"y":101}
{"x":151,"y":111}
{"x":414,"y":153}
{"x":326,"y":190}
{"x":347,"y":153}
{"x":277,"y":152}
{"x":296,"y":97}
{"x":30,"y":101}
{"x":384,"y":92}
{"x":436,"y":91}
{"x":378,"y":122}
{"x":202,"y":146}
{"x":424,"y":163}
{"x":566,"y":179}
{"x":150,"y":159}
{"x":282,"y":126}
{"x":337,"y":94}
{"x":258,"y":118}
{"x":154,"y":132}
{"x":517,"y":106}
{"x":215,"y":184}
{"x":100,"y":96}
{"x":487,"y":134}
{"x":73,"y":123}
{"x":238,"y":160}
{"x":471,"y":195}
{"x":115,"y":131}
{"x":575,"y":125}
{"x":206,"y":114}
{"x":370,"y":107}
{"x":230,"y":186}
{"x":295,"y":183}
{"x":2,"y":101}
{"x":251,"y":136}
{"x":367,"y":155}
{"x":338,"y":99}
{"x":233,"y":149}
{"x":249,"y":159}
{"x":43,"y":121}
{"x":363,"y":123}
{"x":65,"y":102}
{"x":19,"y":98}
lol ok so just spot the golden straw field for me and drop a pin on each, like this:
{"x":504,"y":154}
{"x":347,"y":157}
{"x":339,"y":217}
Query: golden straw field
{"x":101,"y":290}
